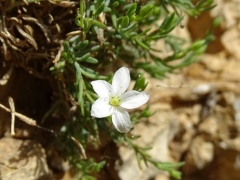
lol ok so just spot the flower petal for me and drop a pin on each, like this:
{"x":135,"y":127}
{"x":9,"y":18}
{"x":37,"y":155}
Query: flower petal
{"x":102,"y":88}
{"x":133,"y":99}
{"x":101,"y":108}
{"x":121,"y":81}
{"x":121,"y":120}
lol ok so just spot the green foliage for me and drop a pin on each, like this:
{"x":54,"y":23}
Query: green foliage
{"x":111,"y":30}
{"x":193,"y":8}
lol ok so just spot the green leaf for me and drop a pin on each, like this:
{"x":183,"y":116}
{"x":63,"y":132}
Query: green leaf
{"x":92,"y":60}
{"x":95,"y":48}
{"x":78,"y":44}
{"x":132,"y":10}
{"x":74,"y":38}
{"x":99,"y":1}
{"x":100,"y":9}
{"x":87,"y":24}
{"x":115,"y":4}
{"x":66,"y":46}
{"x":146,"y":11}
{"x":125,"y":21}
{"x":119,"y":20}
{"x":82,"y":7}
{"x":78,"y":71}
{"x":176,"y":174}
{"x":84,"y":57}
{"x":146,"y":148}
{"x":140,"y":83}
{"x":114,"y":20}
{"x":107,"y":9}
{"x":140,"y":43}
{"x":70,"y":60}
{"x":131,"y":27}
{"x":59,"y":66}
{"x":170,"y":23}
{"x":100,"y":25}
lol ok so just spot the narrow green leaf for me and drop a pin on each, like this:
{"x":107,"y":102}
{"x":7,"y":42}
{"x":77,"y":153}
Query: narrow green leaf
{"x":82,"y":45}
{"x":119,"y":20}
{"x":140,"y":43}
{"x":125,"y":22}
{"x":146,"y":11}
{"x":78,"y":71}
{"x":99,"y":10}
{"x":92,"y":60}
{"x":95,"y":48}
{"x":100,"y":25}
{"x":74,"y":38}
{"x":91,"y":75}
{"x":84,"y":57}
{"x":107,"y":9}
{"x":87,"y":24}
{"x":132,"y":10}
{"x":70,"y":60}
{"x":131,"y":27}
{"x":115,"y":4}
{"x":99,"y":1}
{"x":114,"y":20}
{"x":176,"y":174}
{"x":66,"y":46}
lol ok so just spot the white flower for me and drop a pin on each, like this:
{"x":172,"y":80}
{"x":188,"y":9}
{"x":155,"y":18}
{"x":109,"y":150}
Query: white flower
{"x":112,"y":100}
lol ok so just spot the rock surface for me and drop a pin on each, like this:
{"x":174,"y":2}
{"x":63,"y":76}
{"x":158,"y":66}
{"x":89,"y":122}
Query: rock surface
{"x":22,"y":160}
{"x":197,"y":117}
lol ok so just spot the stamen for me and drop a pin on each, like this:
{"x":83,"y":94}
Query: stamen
{"x":114,"y":101}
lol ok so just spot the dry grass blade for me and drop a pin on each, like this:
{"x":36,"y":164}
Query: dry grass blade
{"x":6,"y":77}
{"x":74,"y":33}
{"x":3,"y":34}
{"x":25,"y":119}
{"x":62,"y":3}
{"x":80,"y":147}
{"x":22,"y":117}
{"x":4,"y":47}
{"x":12,"y":107}
{"x":31,"y":19}
{"x":29,"y":30}
{"x":30,"y":39}
{"x":57,"y":58}
{"x":4,"y":31}
{"x":25,"y":2}
{"x":14,"y":47}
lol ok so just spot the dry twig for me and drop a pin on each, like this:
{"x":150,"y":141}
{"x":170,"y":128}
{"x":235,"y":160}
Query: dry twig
{"x":22,"y":117}
{"x":80,"y":147}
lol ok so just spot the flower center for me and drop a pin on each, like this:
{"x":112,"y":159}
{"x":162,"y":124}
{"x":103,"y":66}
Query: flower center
{"x":114,"y":101}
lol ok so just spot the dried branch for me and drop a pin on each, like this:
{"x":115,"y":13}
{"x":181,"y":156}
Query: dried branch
{"x":22,"y":117}
{"x":80,"y":147}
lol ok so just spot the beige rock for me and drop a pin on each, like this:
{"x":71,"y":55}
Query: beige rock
{"x":228,"y":11}
{"x":199,"y":155}
{"x":22,"y":159}
{"x":216,"y":62}
{"x":230,"y":73}
{"x":210,"y":121}
{"x":160,"y":129}
{"x":231,"y":42}
{"x":162,"y":177}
